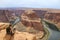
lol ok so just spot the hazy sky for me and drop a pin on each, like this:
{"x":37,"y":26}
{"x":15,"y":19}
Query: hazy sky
{"x":30,"y":3}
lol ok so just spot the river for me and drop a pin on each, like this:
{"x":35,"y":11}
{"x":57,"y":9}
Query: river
{"x":53,"y":34}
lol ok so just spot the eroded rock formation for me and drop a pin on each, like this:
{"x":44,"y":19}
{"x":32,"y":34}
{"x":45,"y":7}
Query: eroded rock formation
{"x":31,"y":19}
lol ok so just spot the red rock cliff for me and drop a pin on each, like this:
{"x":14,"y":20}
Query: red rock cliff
{"x":31,"y":19}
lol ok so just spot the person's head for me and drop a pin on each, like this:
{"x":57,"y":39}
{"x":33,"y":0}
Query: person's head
{"x":10,"y":25}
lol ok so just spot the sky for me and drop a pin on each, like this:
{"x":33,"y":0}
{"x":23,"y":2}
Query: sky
{"x":30,"y":3}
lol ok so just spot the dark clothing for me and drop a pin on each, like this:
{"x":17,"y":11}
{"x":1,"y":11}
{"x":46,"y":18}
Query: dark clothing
{"x":9,"y":31}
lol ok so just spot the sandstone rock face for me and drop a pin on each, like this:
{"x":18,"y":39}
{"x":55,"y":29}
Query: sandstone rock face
{"x":31,"y":19}
{"x":53,"y":17}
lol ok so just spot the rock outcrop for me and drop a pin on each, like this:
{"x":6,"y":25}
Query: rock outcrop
{"x":31,"y":19}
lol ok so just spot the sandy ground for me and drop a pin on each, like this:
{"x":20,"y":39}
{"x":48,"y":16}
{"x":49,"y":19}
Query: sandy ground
{"x":3,"y":25}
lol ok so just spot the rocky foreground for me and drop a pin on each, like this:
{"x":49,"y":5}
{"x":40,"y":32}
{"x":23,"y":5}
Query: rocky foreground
{"x":17,"y":36}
